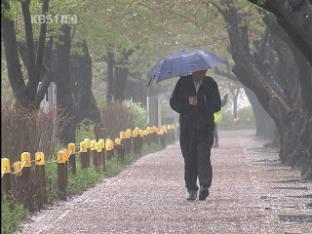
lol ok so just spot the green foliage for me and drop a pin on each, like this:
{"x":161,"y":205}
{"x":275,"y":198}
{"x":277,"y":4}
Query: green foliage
{"x":261,"y":2}
{"x":82,"y":180}
{"x":52,"y":187}
{"x":12,"y":213}
{"x":85,"y":130}
{"x":139,"y":115}
{"x":113,"y":167}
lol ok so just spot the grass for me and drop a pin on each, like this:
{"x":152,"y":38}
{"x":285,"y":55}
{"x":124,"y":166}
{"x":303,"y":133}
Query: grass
{"x":12,"y":213}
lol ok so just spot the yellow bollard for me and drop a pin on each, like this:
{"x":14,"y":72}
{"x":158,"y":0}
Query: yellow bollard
{"x":41,"y":176}
{"x":83,"y":147}
{"x":5,"y":166}
{"x":93,"y":144}
{"x":98,"y":147}
{"x":128,"y":133}
{"x":17,"y":167}
{"x":61,"y":156}
{"x":87,"y":141}
{"x":117,"y":141}
{"x":71,"y":147}
{"x":26,"y":158}
{"x":5,"y":175}
{"x":84,"y":154}
{"x":61,"y":173}
{"x":135,"y":132}
{"x":109,"y":147}
{"x":102,"y":143}
{"x":122,"y":135}
{"x":39,"y":157}
{"x":109,"y":144}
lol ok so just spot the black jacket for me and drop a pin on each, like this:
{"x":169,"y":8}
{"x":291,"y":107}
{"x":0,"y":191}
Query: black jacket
{"x":208,"y":97}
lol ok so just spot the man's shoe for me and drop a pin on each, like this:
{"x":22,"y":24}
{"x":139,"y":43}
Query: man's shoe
{"x":192,"y":196}
{"x":203,"y":194}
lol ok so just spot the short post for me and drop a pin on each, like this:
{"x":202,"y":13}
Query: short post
{"x":24,"y":180}
{"x":66,"y":166}
{"x":128,"y":141}
{"x":61,"y":173}
{"x":72,"y":157}
{"x":26,"y":160}
{"x":118,"y":148}
{"x":97,"y":157}
{"x":6,"y":175}
{"x":83,"y":155}
{"x":122,"y":149}
{"x":93,"y":152}
{"x":40,"y":174}
{"x":109,"y":149}
{"x":88,"y":144}
{"x":140,"y":143}
{"x":102,"y":155}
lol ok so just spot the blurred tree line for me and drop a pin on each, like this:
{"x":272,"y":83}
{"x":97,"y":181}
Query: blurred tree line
{"x":115,"y":42}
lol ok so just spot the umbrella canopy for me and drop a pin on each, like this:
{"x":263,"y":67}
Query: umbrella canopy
{"x":183,"y":63}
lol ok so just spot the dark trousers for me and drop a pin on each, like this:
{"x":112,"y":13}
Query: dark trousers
{"x":196,"y":146}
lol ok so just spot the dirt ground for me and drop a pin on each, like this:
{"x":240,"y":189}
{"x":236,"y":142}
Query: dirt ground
{"x":251,"y":193}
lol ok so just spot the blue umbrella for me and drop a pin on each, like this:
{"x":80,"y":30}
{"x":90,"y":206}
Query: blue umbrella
{"x":183,"y":63}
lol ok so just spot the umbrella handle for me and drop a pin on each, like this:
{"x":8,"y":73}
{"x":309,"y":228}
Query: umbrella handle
{"x":149,"y":82}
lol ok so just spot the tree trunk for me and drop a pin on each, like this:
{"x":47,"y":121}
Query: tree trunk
{"x":13,"y":63}
{"x":40,"y":50}
{"x":304,"y":68}
{"x":295,"y":18}
{"x":65,"y":100}
{"x":110,"y":61}
{"x":121,"y":75}
{"x":30,"y":64}
{"x":271,"y":88}
{"x":81,"y":74}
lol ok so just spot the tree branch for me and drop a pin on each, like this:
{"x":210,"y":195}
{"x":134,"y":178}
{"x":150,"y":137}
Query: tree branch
{"x":30,"y":64}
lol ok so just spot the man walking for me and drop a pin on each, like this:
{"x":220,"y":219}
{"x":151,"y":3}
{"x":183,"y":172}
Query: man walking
{"x":196,"y":97}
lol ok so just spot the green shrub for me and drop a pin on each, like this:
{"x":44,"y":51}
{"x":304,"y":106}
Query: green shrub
{"x":85,"y":130}
{"x":12,"y":213}
{"x":139,"y":115}
{"x":82,"y":180}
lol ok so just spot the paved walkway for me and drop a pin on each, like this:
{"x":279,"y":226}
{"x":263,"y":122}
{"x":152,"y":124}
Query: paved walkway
{"x":249,"y":194}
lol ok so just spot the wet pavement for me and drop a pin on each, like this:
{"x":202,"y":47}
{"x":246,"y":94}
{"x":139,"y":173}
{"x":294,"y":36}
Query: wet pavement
{"x":251,"y":193}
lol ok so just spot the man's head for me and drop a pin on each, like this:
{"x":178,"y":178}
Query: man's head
{"x":199,"y":75}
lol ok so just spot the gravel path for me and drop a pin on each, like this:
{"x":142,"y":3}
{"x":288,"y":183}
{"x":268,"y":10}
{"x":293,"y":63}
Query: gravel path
{"x":247,"y":196}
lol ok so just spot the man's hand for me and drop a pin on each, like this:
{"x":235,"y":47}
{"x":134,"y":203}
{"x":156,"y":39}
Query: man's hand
{"x":193,"y":101}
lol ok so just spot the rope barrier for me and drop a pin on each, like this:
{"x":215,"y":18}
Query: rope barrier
{"x":2,"y":174}
{"x":50,"y":162}
{"x":69,"y":153}
{"x":16,"y":172}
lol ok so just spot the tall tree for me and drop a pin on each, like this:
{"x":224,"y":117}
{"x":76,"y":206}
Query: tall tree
{"x":65,"y":98}
{"x":295,"y":17}
{"x":25,"y":94}
{"x":272,"y":91}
